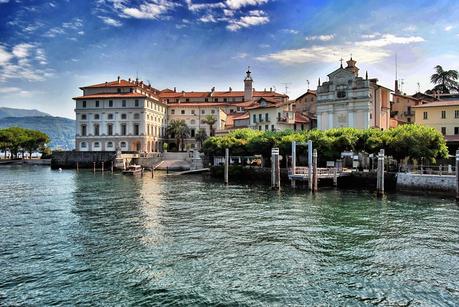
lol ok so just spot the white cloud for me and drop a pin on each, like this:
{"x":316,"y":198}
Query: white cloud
{"x":290,"y":31}
{"x":390,"y":39}
{"x":13,"y":90}
{"x":5,"y":56}
{"x":248,"y":21}
{"x":22,"y":50}
{"x":324,"y":38}
{"x":240,"y":56}
{"x":207,"y":18}
{"x":110,"y":21}
{"x":371,"y":51}
{"x":237,"y":4}
{"x":204,"y":6}
{"x":4,"y":1}
{"x":410,"y":28}
{"x":448,"y":28}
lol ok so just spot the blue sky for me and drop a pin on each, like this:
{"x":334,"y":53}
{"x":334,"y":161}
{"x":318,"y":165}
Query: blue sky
{"x":50,"y":48}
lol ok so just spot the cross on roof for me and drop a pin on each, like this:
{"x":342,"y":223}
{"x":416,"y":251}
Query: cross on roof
{"x":341,"y":61}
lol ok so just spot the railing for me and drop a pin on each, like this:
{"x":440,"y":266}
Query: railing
{"x":439,"y":170}
{"x":321,"y":172}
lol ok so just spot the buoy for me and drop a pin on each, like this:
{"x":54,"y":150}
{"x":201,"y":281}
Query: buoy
{"x":60,"y":169}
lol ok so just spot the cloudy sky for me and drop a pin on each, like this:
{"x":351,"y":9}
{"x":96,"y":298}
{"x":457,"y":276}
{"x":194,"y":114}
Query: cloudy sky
{"x":50,"y":48}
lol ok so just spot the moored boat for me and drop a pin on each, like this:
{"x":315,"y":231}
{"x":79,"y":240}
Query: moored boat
{"x":133,"y":170}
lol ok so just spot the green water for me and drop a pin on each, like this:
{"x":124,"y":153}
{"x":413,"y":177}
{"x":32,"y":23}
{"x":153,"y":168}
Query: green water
{"x":84,"y":239}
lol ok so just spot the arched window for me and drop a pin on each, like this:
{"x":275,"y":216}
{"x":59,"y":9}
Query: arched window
{"x":109,"y":144}
{"x":123,"y":144}
{"x":136,"y":116}
{"x":96,"y":145}
{"x":83,"y":145}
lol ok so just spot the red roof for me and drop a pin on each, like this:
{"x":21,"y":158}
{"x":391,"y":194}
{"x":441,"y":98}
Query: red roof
{"x":198,"y":104}
{"x":112,"y":95}
{"x":441,"y":103}
{"x":230,"y":118}
{"x":271,"y":103}
{"x":216,"y":94}
{"x":300,"y":118}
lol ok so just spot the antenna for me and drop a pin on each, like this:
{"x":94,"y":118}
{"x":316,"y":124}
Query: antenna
{"x":286,"y":84}
{"x":396,"y":68}
{"x":274,"y":87}
{"x":402,"y":82}
{"x":419,"y":87}
{"x":308,"y":83}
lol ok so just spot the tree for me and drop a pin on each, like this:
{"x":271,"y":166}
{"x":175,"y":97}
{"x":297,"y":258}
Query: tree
{"x":34,"y":140}
{"x":210,"y":120}
{"x":445,"y":80}
{"x":16,"y":139}
{"x":201,"y":136}
{"x":179,"y":130}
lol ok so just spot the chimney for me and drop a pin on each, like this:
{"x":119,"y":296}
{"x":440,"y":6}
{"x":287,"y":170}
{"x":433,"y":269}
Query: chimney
{"x":230,"y":89}
{"x":248,"y":86}
{"x":264,"y":90}
{"x":129,"y":80}
{"x":271,"y":89}
{"x":175,"y":89}
{"x":397,"y":91}
{"x":118,"y":79}
{"x":212,"y":89}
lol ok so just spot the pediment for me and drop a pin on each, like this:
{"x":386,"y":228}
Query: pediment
{"x":341,"y":73}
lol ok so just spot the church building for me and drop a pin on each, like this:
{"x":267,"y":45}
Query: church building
{"x":347,"y":100}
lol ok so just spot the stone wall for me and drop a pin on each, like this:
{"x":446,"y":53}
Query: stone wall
{"x":434,"y":183}
{"x":69,"y":159}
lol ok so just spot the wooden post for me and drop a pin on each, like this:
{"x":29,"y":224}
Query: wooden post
{"x":226,"y":164}
{"x":293,"y":182}
{"x":310,"y":163}
{"x":111,"y":168}
{"x":457,"y":175}
{"x":102,"y":167}
{"x":380,"y":174}
{"x":275,"y":169}
{"x":94,"y":167}
{"x":335,"y":177}
{"x":77,"y":167}
{"x":314,"y":172}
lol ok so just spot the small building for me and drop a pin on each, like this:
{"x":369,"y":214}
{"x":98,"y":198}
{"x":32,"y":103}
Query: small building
{"x":306,"y":104}
{"x":441,"y":115}
{"x":347,"y":100}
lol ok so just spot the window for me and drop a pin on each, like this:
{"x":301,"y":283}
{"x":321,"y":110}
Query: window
{"x":118,"y":90}
{"x":266,"y":127}
{"x":260,"y":117}
{"x":110,"y":116}
{"x":136,"y":116}
{"x":254,"y":118}
{"x":456,"y":130}
{"x":96,"y":129}
{"x":123,"y":116}
{"x":123,"y":129}
{"x":83,"y":144}
{"x":123,"y":144}
{"x":136,"y":129}
{"x":278,"y":115}
{"x":97,"y":103}
{"x":206,"y":99}
{"x":83,"y":116}
{"x":231,"y":110}
{"x":216,"y":99}
{"x":84,"y":103}
{"x":187,"y":100}
{"x":272,"y":127}
{"x":425,"y":115}
{"x":182,"y":112}
{"x":172,"y":111}
{"x":225,"y":100}
{"x":193,"y":112}
{"x":96,"y":116}
{"x":83,"y":130}
{"x":96,"y":145}
{"x":259,"y":127}
{"x":110,"y":129}
{"x":211,"y":111}
{"x":408,"y":110}
{"x":109,"y":144}
{"x":456,"y":114}
{"x":136,"y":102}
{"x":341,"y":94}
{"x":192,"y":133}
{"x":409,"y":119}
{"x":123,"y":103}
{"x":192,"y":122}
{"x":443,"y":130}
{"x":204,"y":112}
{"x":266,"y":117}
{"x":443,"y":114}
{"x":110,"y":103}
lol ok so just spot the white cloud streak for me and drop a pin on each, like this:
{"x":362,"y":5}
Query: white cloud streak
{"x":324,"y":37}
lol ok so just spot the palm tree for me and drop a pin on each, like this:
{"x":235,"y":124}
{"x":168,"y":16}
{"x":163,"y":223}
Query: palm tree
{"x":445,"y":80}
{"x":210,"y":120}
{"x":179,"y":130}
{"x":201,"y":136}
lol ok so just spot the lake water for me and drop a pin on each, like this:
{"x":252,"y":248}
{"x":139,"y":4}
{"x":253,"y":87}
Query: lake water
{"x":83,"y":239}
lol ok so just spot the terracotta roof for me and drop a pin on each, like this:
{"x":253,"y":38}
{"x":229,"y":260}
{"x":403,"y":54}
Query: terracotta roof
{"x":271,"y":103}
{"x":300,"y":118}
{"x":441,"y":103}
{"x":406,"y":96}
{"x":217,"y":94}
{"x":230,"y":118}
{"x":307,"y":92}
{"x":112,"y":95}
{"x":198,"y":104}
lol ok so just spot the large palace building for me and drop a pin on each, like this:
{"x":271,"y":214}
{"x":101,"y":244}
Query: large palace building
{"x":134,"y":116}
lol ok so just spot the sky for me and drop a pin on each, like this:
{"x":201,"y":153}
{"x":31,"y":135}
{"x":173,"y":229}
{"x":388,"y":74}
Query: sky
{"x":48,"y":49}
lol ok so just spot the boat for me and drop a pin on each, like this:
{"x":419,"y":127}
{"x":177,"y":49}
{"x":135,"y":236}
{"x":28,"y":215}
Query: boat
{"x":133,"y":170}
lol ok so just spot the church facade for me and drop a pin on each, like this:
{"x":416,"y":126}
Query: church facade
{"x":347,"y":100}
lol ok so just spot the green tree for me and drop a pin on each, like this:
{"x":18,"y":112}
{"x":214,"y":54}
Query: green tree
{"x":445,"y":80}
{"x":34,"y":141}
{"x":6,"y":140}
{"x":210,"y":120}
{"x":179,"y":130}
{"x":201,"y":136}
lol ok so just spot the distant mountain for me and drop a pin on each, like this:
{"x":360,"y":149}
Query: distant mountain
{"x":60,"y":130}
{"x":11,"y":112}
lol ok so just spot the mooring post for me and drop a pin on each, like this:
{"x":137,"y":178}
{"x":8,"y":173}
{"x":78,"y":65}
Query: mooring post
{"x":314,"y":172}
{"x":335,"y":177}
{"x":111,"y":167}
{"x":380,"y":174}
{"x":457,"y":175}
{"x":293,"y":182}
{"x":275,"y":168}
{"x":102,"y":167}
{"x":310,"y":184}
{"x":226,"y":164}
{"x":77,"y":167}
{"x":94,"y":167}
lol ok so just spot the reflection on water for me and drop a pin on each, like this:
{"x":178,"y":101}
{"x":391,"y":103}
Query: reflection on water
{"x":78,"y":238}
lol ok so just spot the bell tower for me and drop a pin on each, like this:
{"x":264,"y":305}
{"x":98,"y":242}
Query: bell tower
{"x":248,"y":86}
